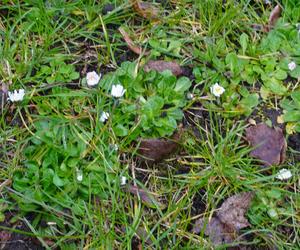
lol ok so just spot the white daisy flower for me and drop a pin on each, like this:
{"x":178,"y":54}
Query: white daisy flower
{"x":292,"y":66}
{"x":284,"y":174}
{"x":117,"y":90}
{"x":92,"y":78}
{"x":79,"y":175}
{"x":217,"y":90}
{"x":123,"y":180}
{"x":16,"y":95}
{"x":104,"y":116}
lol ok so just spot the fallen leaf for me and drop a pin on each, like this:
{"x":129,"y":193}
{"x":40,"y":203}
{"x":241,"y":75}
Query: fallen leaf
{"x":161,"y":65}
{"x":217,"y":231}
{"x":146,"y":10}
{"x":145,"y":196}
{"x":136,"y":49}
{"x":269,"y":144}
{"x":223,"y":228}
{"x":274,"y":16}
{"x":232,"y":212}
{"x":158,"y":149}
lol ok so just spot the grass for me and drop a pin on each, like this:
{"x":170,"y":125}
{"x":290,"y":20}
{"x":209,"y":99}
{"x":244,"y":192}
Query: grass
{"x":55,"y":132}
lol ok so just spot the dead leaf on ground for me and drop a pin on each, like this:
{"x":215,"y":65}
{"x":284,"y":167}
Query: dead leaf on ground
{"x":217,"y":231}
{"x":145,"y":196}
{"x":146,"y":10}
{"x":232,"y":212}
{"x":269,"y":144}
{"x":136,"y":49}
{"x":158,"y":149}
{"x":274,"y":16}
{"x":161,"y":65}
{"x":230,"y":218}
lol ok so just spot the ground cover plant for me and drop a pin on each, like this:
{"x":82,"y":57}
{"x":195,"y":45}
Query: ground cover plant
{"x":149,"y":125}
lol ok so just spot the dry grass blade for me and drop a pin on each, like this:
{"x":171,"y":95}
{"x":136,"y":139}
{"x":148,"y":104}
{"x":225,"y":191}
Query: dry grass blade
{"x":136,"y":49}
{"x":145,"y":196}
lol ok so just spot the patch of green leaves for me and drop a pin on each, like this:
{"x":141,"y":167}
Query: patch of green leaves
{"x":153,"y":100}
{"x":291,"y":110}
{"x":58,"y":72}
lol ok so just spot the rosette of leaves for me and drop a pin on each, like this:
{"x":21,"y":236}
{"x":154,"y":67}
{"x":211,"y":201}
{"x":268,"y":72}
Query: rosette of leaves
{"x":291,"y":110}
{"x":153,"y":102}
{"x":58,"y":72}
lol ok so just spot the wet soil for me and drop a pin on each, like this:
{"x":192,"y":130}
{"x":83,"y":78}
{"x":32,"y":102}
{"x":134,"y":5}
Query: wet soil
{"x":10,"y":240}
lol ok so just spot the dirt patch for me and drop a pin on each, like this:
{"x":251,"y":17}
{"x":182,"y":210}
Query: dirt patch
{"x":10,"y":240}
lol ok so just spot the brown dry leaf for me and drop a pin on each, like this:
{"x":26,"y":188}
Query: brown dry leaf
{"x":161,"y":65}
{"x":136,"y":49}
{"x":269,"y":144}
{"x":225,"y":226}
{"x":158,"y":149}
{"x":146,"y":10}
{"x":145,"y":196}
{"x":217,"y":231}
{"x":274,"y":16}
{"x":232,"y":212}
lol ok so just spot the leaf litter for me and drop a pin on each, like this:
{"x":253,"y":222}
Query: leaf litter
{"x":156,"y":150}
{"x":274,"y":16}
{"x":160,"y":66}
{"x":224,"y":227}
{"x":146,"y":10}
{"x":269,"y":144}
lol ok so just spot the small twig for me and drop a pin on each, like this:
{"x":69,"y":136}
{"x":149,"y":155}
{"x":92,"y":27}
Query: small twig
{"x":7,"y":182}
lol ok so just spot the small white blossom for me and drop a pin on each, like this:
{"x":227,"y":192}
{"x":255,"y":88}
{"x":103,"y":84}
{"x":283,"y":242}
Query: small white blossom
{"x":79,"y":175}
{"x":16,"y":95}
{"x":92,"y":78}
{"x":117,"y":90}
{"x":190,"y":96}
{"x":292,"y":66}
{"x":284,"y":174}
{"x":217,"y":90}
{"x":123,"y":180}
{"x":104,"y":116}
{"x":114,"y":147}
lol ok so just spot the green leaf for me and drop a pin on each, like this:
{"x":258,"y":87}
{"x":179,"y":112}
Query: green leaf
{"x":50,"y":79}
{"x":280,"y":74}
{"x":251,"y":100}
{"x":275,"y":86}
{"x":57,"y":181}
{"x":287,"y":104}
{"x":120,"y":130}
{"x":296,"y":72}
{"x":296,"y":97}
{"x":153,"y":105}
{"x":292,"y":116}
{"x":74,"y":75}
{"x":244,"y":39}
{"x":182,"y":84}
